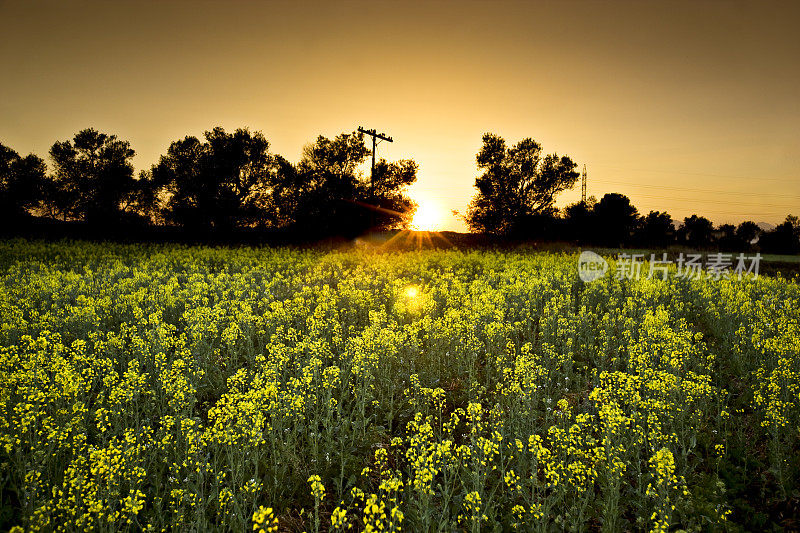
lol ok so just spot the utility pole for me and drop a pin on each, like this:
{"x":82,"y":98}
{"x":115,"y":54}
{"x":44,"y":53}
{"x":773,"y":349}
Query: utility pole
{"x":382,"y":136}
{"x":583,"y":185}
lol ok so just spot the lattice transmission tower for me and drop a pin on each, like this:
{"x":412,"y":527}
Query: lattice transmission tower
{"x":583,"y":185}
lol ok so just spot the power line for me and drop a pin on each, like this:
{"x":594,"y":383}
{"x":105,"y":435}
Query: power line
{"x":724,"y":202}
{"x":742,"y":214}
{"x":775,"y":212}
{"x":738,"y":214}
{"x":706,"y":174}
{"x":716,"y":201}
{"x":714,"y":191}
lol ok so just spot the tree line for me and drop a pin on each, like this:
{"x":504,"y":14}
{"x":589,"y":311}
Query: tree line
{"x":516,"y":193}
{"x":224,"y":182}
{"x":216,"y":184}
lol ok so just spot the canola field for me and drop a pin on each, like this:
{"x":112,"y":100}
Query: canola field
{"x":172,"y":388}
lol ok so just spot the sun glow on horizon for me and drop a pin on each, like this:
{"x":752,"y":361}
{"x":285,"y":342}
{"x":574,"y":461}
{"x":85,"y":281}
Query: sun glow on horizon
{"x":428,"y":216}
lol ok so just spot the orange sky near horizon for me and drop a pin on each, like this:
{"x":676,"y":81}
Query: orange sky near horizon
{"x":688,"y":107}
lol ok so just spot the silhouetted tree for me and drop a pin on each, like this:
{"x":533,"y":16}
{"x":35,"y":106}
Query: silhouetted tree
{"x":657,"y":230}
{"x":725,"y":235}
{"x":395,"y":209}
{"x":285,"y":196}
{"x":21,"y":184}
{"x":335,"y":197}
{"x":545,"y":225}
{"x":143,"y":201}
{"x":516,"y":183}
{"x":794,"y":221}
{"x":223,"y":183}
{"x":616,"y":219}
{"x":578,"y":221}
{"x":784,"y":239}
{"x":747,"y":232}
{"x":93,"y":178}
{"x":696,"y":231}
{"x":330,"y":183}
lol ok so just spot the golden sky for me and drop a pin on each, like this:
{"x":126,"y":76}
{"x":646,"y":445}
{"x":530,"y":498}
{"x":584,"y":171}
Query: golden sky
{"x":689,"y":107}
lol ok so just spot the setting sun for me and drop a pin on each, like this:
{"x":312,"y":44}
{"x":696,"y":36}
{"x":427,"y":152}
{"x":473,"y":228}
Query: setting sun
{"x":428,"y":216}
